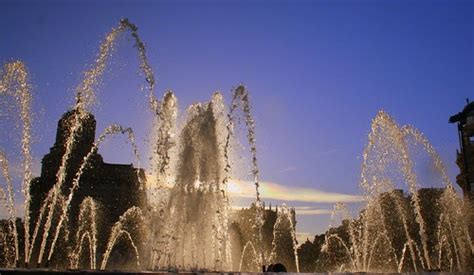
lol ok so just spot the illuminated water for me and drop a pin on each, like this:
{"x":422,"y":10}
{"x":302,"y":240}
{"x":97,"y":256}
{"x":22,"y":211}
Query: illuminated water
{"x":185,"y":224}
{"x":13,"y":83}
{"x":193,"y":199}
{"x":400,"y":241}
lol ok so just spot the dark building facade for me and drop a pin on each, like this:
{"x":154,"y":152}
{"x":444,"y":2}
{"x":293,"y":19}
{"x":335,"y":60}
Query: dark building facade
{"x":393,"y":204}
{"x":465,"y":157}
{"x":113,"y":187}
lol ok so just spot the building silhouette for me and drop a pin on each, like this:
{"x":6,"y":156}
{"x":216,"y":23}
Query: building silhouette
{"x":116,"y":188}
{"x":465,"y":157}
{"x":393,"y":204}
{"x":113,"y":187}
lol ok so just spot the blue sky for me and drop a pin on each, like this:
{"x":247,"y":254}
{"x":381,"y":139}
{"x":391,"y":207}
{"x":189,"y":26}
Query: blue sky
{"x":318,"y":72}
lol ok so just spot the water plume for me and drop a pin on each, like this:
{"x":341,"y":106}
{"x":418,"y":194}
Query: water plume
{"x":109,"y":131}
{"x":87,"y":221}
{"x":165,"y":124}
{"x":39,"y":221}
{"x":240,"y":98}
{"x":391,"y":136}
{"x":393,"y":226}
{"x":196,"y":193}
{"x":247,"y":247}
{"x":130,"y":221}
{"x":198,"y":198}
{"x":8,"y":201}
{"x":85,"y":97}
{"x":284,"y":225}
{"x":85,"y":92}
{"x":14,"y":82}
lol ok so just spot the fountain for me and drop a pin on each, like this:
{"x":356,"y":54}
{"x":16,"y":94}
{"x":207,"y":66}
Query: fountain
{"x":181,"y":204}
{"x":14,"y":83}
{"x":395,"y":233}
{"x":198,"y":200}
{"x":179,"y":216}
{"x":284,"y":237}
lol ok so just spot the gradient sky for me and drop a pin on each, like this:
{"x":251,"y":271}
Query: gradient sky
{"x":318,"y":72}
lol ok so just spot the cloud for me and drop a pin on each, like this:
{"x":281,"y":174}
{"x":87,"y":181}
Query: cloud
{"x":275,"y":191}
{"x":308,"y":210}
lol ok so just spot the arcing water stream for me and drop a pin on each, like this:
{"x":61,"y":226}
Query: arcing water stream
{"x":14,"y":83}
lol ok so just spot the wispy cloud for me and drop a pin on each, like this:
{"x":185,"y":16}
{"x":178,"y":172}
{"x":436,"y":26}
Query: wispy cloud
{"x":275,"y":191}
{"x":308,"y":210}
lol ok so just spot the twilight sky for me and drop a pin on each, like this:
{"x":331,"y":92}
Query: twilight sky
{"x":318,"y":72}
